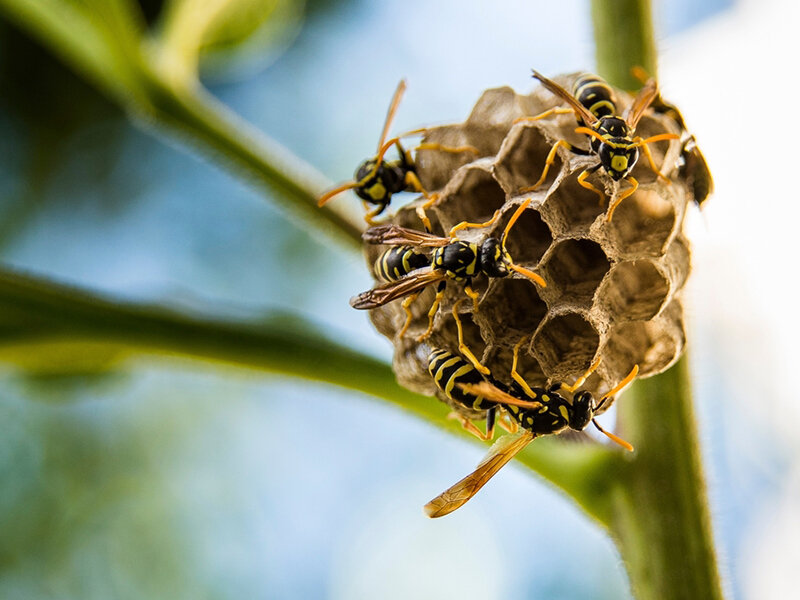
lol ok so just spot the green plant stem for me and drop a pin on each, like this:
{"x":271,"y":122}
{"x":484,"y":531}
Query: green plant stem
{"x":623,"y":33}
{"x":660,"y":517}
{"x":658,"y":510}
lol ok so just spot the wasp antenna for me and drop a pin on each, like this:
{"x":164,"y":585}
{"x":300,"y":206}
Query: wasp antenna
{"x":529,"y":274}
{"x":621,"y":384}
{"x":613,"y":437}
{"x":335,"y":192}
{"x":387,"y":123}
{"x":513,"y":220}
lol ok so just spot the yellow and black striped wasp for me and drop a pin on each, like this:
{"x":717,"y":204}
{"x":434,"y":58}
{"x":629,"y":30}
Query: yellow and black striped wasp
{"x":611,"y":138}
{"x":552,"y":413}
{"x":694,"y":167}
{"x":451,"y":258}
{"x":376,"y":179}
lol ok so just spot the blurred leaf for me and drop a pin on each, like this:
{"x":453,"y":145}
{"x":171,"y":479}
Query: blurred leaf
{"x":106,"y":41}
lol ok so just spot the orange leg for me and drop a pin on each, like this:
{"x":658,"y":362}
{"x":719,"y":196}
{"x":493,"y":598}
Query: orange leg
{"x":545,"y":114}
{"x":432,"y":312}
{"x":551,"y":157}
{"x":613,"y":206}
{"x":585,"y":184}
{"x":462,"y":347}
{"x":450,"y":149}
{"x":465,"y":224}
{"x":409,"y":316}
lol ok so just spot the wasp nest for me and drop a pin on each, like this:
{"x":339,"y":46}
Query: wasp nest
{"x":613,"y":288}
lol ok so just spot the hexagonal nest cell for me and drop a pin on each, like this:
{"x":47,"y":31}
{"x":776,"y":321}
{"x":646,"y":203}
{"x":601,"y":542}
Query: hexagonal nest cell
{"x":613,"y":287}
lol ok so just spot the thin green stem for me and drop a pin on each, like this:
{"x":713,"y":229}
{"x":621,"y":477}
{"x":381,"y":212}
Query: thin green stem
{"x":35,"y":314}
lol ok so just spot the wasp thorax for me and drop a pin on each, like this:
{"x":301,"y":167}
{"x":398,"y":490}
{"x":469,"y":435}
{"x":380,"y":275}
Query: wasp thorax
{"x":614,"y":288}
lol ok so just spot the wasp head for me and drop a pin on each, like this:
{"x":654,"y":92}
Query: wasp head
{"x":376,"y":182}
{"x":582,"y":410}
{"x":617,"y":153}
{"x":494,"y":258}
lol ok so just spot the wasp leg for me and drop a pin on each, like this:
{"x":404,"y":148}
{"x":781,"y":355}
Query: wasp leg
{"x":466,"y":224}
{"x":414,"y":183}
{"x":545,"y":114}
{"x":613,"y":206}
{"x":450,"y":149}
{"x":649,"y":155}
{"x":409,"y":316}
{"x":579,"y":382}
{"x":432,"y":312}
{"x":372,"y":213}
{"x":470,"y":426}
{"x":515,"y":374}
{"x":507,"y":423}
{"x":462,"y":347}
{"x":474,"y":295}
{"x":585,"y":184}
{"x":551,"y":157}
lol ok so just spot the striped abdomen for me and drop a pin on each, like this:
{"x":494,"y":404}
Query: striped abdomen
{"x":595,"y":94}
{"x":398,"y":262}
{"x":447,"y":370}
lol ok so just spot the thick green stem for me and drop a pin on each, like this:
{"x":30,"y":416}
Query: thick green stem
{"x":659,"y":514}
{"x":623,"y":33}
{"x":660,"y":517}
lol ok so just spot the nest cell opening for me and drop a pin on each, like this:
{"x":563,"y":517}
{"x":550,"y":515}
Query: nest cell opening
{"x":475,"y":198}
{"x":576,"y":268}
{"x":572,"y":207}
{"x":522,"y":158}
{"x":642,"y":225}
{"x":512,"y":307}
{"x":528,"y":239}
{"x":633,"y":291}
{"x":565,"y":345}
{"x":653,"y":345}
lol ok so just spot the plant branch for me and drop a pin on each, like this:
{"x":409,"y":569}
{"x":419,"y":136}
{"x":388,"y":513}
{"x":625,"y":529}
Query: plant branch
{"x":103,"y":40}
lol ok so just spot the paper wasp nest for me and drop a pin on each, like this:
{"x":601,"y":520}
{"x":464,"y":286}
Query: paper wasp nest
{"x":613,"y":288}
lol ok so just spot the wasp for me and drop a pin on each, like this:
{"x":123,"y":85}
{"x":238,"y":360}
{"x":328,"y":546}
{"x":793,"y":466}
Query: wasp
{"x":611,"y":138}
{"x":552,"y":414}
{"x":694,"y":167}
{"x":451,"y":259}
{"x":377,"y":179}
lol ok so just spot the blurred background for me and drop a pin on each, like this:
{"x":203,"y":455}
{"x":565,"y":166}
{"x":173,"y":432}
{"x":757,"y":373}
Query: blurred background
{"x":169,"y":478}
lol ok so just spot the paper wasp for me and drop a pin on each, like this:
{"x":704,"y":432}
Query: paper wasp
{"x":377,"y":179}
{"x":552,"y":414}
{"x":694,"y":166}
{"x":451,"y":258}
{"x":611,"y":138}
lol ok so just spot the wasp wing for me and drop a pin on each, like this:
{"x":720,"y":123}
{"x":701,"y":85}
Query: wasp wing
{"x":387,"y":123}
{"x":580,"y":110}
{"x":393,"y":235}
{"x":493,"y":393}
{"x":396,"y":289}
{"x":643,"y":99}
{"x":499,"y":454}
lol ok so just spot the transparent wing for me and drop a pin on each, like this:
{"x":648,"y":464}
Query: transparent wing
{"x":392,"y":235}
{"x":587,"y":117}
{"x":643,"y":99}
{"x":396,"y":289}
{"x":499,"y":454}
